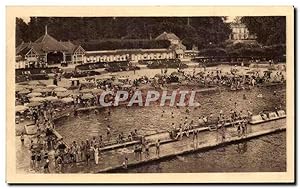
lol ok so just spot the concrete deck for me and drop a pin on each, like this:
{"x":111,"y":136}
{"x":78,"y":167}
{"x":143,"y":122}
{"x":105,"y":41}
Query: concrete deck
{"x":113,"y":159}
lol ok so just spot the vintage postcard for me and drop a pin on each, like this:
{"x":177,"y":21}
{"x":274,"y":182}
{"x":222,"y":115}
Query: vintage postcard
{"x":150,"y":94}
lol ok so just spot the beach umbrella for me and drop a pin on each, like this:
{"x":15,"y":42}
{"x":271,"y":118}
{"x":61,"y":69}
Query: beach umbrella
{"x":37,"y":99}
{"x":87,"y":96}
{"x":47,"y":90}
{"x":24,"y":91}
{"x":60,"y":89}
{"x":96,"y":91}
{"x":23,"y":83}
{"x":51,"y":86}
{"x":85,"y":91}
{"x":33,"y":83}
{"x":67,"y":100}
{"x":20,"y":108}
{"x":63,"y":94}
{"x":30,"y":86}
{"x":38,"y":90}
{"x":33,"y":104}
{"x":51,"y":98}
{"x":20,"y":88}
{"x":117,"y":83}
{"x":34,"y":94}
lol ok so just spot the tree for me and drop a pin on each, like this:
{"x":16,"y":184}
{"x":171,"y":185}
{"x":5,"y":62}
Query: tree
{"x":268,"y":29}
{"x":199,"y":31}
{"x":21,"y":31}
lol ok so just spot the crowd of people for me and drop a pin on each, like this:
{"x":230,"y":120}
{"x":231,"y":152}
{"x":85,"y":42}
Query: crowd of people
{"x":89,"y":150}
{"x":50,"y":153}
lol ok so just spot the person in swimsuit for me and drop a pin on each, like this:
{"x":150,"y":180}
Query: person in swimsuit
{"x":96,"y":154}
{"x":32,"y":161}
{"x":38,"y":160}
{"x":157,"y":145}
{"x":239,"y":128}
{"x":46,"y":166}
{"x":87,"y":151}
{"x":59,"y":164}
{"x":147,"y":149}
{"x":125,"y":162}
{"x":22,"y":138}
{"x":108,"y":132}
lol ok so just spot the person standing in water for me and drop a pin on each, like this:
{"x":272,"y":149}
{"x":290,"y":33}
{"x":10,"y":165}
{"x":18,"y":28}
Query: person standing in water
{"x":157,"y":145}
{"x":147,"y":149}
{"x":108,"y":132}
{"x":96,"y":154}
{"x":125,"y":163}
{"x":195,"y":135}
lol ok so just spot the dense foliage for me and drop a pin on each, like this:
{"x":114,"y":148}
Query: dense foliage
{"x":245,"y":50}
{"x":269,"y":30}
{"x":199,"y":31}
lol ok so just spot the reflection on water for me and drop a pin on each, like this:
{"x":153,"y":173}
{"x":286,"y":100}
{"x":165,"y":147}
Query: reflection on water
{"x":263,"y":154}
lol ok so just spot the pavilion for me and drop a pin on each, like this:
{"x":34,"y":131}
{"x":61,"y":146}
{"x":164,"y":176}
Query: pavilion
{"x":48,"y":50}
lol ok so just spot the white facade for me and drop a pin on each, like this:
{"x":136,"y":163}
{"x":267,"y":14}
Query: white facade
{"x":129,"y":55}
{"x":240,"y":32}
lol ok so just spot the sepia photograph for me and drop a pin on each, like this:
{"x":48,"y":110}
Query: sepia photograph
{"x":118,"y":95}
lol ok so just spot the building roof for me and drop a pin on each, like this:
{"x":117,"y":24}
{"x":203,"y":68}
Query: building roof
{"x":69,"y":46}
{"x":167,"y":36}
{"x":46,"y":44}
{"x":177,"y":46}
{"x":127,"y":51}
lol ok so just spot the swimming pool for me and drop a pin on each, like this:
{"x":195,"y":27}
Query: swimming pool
{"x":152,"y":119}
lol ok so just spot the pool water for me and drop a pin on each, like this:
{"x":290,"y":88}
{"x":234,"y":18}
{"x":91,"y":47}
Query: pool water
{"x":154,"y":118}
